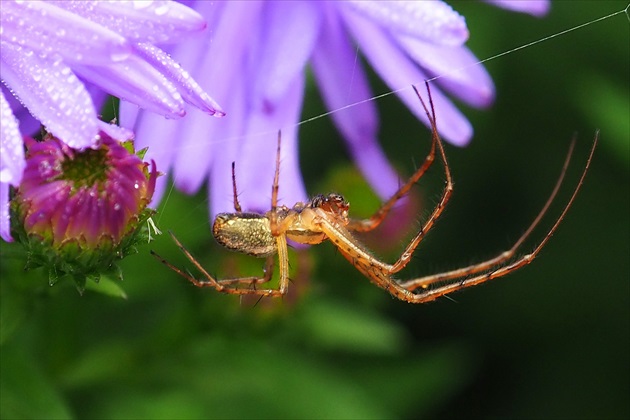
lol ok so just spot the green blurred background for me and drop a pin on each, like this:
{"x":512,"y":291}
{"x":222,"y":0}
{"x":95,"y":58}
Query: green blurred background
{"x":548,"y":341}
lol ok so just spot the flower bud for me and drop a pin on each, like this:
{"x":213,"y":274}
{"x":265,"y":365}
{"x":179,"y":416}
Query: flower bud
{"x":78,"y":211}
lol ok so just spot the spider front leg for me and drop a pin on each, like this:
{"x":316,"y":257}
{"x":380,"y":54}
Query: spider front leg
{"x":436,"y":143}
{"x":366,"y":225}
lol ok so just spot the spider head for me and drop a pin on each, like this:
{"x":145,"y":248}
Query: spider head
{"x":331,"y":203}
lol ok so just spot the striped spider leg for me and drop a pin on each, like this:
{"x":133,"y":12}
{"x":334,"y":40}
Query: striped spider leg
{"x":325,"y":217}
{"x":428,"y":288}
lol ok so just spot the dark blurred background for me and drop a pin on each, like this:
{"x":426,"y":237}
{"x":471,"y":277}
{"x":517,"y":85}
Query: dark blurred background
{"x":549,"y":341}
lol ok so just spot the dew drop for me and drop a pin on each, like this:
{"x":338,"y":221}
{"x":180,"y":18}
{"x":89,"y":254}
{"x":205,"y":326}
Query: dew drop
{"x":161,"y":10}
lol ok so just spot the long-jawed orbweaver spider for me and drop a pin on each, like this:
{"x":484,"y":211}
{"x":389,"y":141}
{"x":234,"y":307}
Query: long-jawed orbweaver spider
{"x":325,"y":217}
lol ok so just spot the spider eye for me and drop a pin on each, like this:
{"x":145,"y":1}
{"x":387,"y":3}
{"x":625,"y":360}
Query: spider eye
{"x":333,"y":203}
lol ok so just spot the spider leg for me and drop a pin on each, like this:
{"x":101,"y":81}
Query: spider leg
{"x":461,"y":278}
{"x":273,"y":214}
{"x":378,"y":272}
{"x":375,"y":220}
{"x":210,"y":280}
{"x":366,"y":225}
{"x":237,"y":205}
{"x":446,"y":193}
{"x":381,"y":273}
{"x":253,"y":280}
{"x":230,"y":286}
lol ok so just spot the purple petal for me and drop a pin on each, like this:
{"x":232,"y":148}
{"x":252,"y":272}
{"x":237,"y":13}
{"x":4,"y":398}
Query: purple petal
{"x":5,"y":222}
{"x":257,"y":149}
{"x":52,"y":93}
{"x":195,"y":154}
{"x":228,"y":145}
{"x":28,"y":124}
{"x":186,"y":85}
{"x":170,"y":140}
{"x":42,"y":27}
{"x":62,"y":217}
{"x":47,"y":200}
{"x":433,"y":21}
{"x":159,"y":135}
{"x":136,"y":81}
{"x":143,"y":21}
{"x":12,"y":161}
{"x":399,"y":72}
{"x":459,"y":70}
{"x":287,"y":37}
{"x":229,"y":47}
{"x":116,"y":132}
{"x":343,"y":84}
{"x":533,"y":7}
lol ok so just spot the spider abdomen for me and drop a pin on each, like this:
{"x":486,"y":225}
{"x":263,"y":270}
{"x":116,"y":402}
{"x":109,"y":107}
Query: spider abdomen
{"x":249,"y":233}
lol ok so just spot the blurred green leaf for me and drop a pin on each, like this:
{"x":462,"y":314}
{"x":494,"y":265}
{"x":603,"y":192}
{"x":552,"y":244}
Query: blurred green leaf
{"x":108,"y":286}
{"x":607,"y":106}
{"x":341,"y":326}
{"x":104,"y":362}
{"x":25,"y":391}
{"x":13,"y":309}
{"x":222,"y":377}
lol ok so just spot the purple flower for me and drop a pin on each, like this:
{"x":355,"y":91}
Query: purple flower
{"x":253,"y":60}
{"x":76,"y":211}
{"x":60,"y":58}
{"x":533,"y":7}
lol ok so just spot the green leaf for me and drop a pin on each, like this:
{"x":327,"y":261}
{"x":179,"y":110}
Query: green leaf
{"x":606,"y":105}
{"x":107,"y":286}
{"x":26,"y":392}
{"x":13,"y":310}
{"x":350,"y":328}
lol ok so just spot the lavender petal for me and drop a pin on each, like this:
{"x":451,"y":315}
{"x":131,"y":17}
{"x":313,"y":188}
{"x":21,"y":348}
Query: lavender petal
{"x":434,"y":21}
{"x":142,"y":21}
{"x":536,"y":8}
{"x":52,"y":93}
{"x":136,"y":81}
{"x":229,"y":84}
{"x":287,"y":37}
{"x":345,"y":84}
{"x":12,"y":161}
{"x":42,"y":27}
{"x":5,"y":222}
{"x":186,"y":85}
{"x":399,"y":72}
{"x":459,"y":70}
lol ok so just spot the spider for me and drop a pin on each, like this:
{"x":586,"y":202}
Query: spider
{"x":325,"y":217}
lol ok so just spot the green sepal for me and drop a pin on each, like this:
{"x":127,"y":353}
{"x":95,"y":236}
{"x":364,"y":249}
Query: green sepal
{"x":72,"y":260}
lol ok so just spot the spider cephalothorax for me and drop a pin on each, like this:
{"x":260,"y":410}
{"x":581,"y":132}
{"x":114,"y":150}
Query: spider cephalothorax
{"x":325,"y":217}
